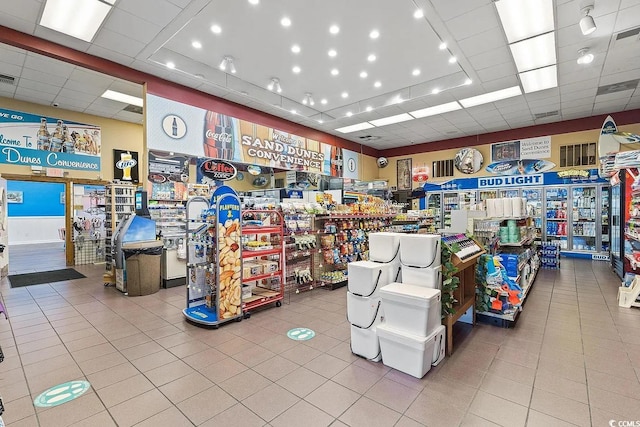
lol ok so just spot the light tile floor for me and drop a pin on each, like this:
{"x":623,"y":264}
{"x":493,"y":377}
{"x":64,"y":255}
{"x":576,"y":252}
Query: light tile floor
{"x":572,"y":359}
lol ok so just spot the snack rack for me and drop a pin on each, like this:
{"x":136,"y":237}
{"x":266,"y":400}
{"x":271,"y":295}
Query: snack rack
{"x":263,"y":260}
{"x":214,"y":259}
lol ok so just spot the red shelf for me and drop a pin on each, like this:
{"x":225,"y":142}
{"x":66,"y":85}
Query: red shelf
{"x":253,"y":254}
{"x":261,"y":276}
{"x":261,"y":230}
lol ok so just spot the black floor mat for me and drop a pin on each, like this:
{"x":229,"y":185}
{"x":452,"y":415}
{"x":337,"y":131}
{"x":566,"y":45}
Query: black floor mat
{"x":18,"y":280}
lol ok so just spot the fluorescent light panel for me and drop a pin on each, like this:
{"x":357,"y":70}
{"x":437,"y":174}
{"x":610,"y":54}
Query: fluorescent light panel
{"x":391,"y":120}
{"x":355,"y":128}
{"x":122,"y":97}
{"x":435,"y":110}
{"x":491,"y":97}
{"x":540,"y":79}
{"x":76,"y":18}
{"x":536,"y":52}
{"x":522,"y":19}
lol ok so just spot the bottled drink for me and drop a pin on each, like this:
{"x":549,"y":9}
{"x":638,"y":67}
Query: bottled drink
{"x":218,"y":137}
{"x":336,"y":161}
{"x":67,"y":142}
{"x":174,"y":127}
{"x":43,"y":135}
{"x":56,"y":138}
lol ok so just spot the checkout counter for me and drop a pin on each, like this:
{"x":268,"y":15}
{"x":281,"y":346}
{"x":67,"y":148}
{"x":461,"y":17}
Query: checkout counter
{"x":137,"y":256}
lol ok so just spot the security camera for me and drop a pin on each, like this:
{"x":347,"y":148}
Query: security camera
{"x":55,"y":104}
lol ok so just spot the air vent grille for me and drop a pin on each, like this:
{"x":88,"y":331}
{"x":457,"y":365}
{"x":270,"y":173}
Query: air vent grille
{"x":618,"y":87}
{"x":628,"y":33}
{"x":539,"y":116}
{"x":369,"y":138}
{"x":133,"y":109}
{"x":7,"y":79}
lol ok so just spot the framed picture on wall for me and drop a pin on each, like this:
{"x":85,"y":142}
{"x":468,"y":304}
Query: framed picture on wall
{"x":14,"y":196}
{"x":403,"y":174}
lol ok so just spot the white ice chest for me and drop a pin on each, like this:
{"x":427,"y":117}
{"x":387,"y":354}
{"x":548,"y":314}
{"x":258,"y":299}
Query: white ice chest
{"x":365,"y":278}
{"x":411,"y":354}
{"x":411,"y":308}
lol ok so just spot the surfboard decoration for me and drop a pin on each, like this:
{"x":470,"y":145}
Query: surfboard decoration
{"x":611,"y":142}
{"x":520,"y":167}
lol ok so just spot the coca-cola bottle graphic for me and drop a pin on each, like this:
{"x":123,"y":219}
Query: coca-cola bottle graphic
{"x":218,"y":136}
{"x":336,"y":161}
{"x":43,"y":135}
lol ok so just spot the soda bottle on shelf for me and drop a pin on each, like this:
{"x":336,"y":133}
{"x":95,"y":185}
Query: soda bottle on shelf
{"x":43,"y":135}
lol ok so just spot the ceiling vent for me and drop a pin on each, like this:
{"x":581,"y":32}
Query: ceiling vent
{"x":539,"y":116}
{"x":133,"y":109}
{"x":369,"y":138}
{"x":618,"y":87}
{"x":625,"y":39}
{"x":7,"y":79}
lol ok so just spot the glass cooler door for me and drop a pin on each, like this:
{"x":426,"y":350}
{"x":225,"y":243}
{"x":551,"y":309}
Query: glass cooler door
{"x":583,"y":218}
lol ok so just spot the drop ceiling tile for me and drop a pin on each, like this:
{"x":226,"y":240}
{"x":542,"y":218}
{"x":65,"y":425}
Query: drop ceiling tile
{"x":40,"y":76}
{"x":39,"y":86}
{"x":22,"y":25}
{"x":95,"y":89}
{"x":129,"y":116}
{"x":474,"y":22}
{"x":492,"y":39}
{"x":10,"y":69}
{"x":499,"y":84}
{"x":111,"y":55}
{"x":131,"y":26}
{"x":579,"y":86}
{"x":7,"y":91}
{"x":42,"y":97}
{"x":159,"y":12}
{"x":622,"y":95}
{"x":491,"y":58}
{"x":118,"y":42}
{"x":129,"y":88}
{"x":586,"y":102}
{"x":544,"y":104}
{"x":581,"y":94}
{"x":27,"y":10}
{"x":11,"y":55}
{"x":51,"y":66}
{"x":627,"y":19}
{"x":60,"y":38}
{"x":497,"y":72}
{"x":80,"y":96}
{"x":181,"y":3}
{"x":107,"y":105}
{"x":72,"y":103}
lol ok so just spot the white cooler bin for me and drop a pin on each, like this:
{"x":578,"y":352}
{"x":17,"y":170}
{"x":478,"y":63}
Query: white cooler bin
{"x":420,"y":250}
{"x":439,"y":346}
{"x":383,"y":246}
{"x":365,"y":278}
{"x":405,"y":352}
{"x":410,"y":308}
{"x":363,"y":311}
{"x":365,"y":343}
{"x":431,"y":277}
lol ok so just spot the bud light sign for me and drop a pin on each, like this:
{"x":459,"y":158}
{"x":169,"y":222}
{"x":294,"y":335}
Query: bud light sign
{"x":218,"y":170}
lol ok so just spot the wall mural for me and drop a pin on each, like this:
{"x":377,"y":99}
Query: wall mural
{"x":468,"y":160}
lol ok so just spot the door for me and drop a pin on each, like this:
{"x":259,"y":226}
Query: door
{"x":534,"y":208}
{"x":583,"y":218}
{"x":556,"y":215}
{"x":604,"y":219}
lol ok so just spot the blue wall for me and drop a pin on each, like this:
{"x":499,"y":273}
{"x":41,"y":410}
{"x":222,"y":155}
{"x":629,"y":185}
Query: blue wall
{"x":38,"y":198}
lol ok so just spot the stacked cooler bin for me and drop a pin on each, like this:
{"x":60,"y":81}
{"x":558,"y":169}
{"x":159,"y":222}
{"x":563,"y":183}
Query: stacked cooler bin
{"x":364,"y":305}
{"x":412,"y":336}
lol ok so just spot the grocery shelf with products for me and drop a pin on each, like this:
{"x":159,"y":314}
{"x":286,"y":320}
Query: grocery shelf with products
{"x":417,"y":221}
{"x":263,"y":262}
{"x":300,"y":247}
{"x":534,"y":208}
{"x":119,"y":205}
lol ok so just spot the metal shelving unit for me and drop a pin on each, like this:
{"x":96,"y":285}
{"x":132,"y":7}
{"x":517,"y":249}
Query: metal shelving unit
{"x":119,"y":205}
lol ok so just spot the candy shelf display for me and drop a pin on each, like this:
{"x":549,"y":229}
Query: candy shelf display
{"x":300,"y":247}
{"x":263,"y":263}
{"x":343,"y":238}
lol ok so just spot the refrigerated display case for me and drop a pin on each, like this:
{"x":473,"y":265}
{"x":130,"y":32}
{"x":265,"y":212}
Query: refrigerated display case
{"x":534,"y":208}
{"x":626,"y":223}
{"x":583,"y":219}
{"x":556,"y":215}
{"x":433,"y":204}
{"x":450,"y":202}
{"x":617,"y":249}
{"x":512,"y":192}
{"x":604,"y":219}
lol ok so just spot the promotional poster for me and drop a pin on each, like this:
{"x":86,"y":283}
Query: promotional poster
{"x":125,"y":167}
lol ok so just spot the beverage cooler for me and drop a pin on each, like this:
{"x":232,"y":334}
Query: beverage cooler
{"x":534,"y":197}
{"x":576,"y":217}
{"x":625,"y":223}
{"x":455,"y":200}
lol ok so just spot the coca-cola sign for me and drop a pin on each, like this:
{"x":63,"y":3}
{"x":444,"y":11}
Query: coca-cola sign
{"x":218,"y":170}
{"x":220,"y":137}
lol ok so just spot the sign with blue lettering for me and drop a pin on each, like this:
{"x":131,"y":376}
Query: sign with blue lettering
{"x":33,"y":140}
{"x":510,"y":181}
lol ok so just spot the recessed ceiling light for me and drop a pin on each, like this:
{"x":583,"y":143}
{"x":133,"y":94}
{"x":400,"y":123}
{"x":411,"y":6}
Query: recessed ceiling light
{"x":418,"y":14}
{"x":585,"y":57}
{"x":349,"y":114}
{"x":323,"y":101}
{"x":416,"y":72}
{"x":199,"y":75}
{"x":344,"y":94}
{"x":171,"y":65}
{"x":334,"y":29}
{"x":254,"y":2}
{"x":491,"y":97}
{"x":442,"y":46}
{"x":285,"y":22}
{"x":468,"y":81}
{"x":438,"y":109}
{"x":355,"y":128}
{"x":377,"y":84}
{"x":321,"y":121}
{"x":399,"y":100}
{"x":391,"y":119}
{"x":58,"y":15}
{"x":363,"y":74}
{"x":294,"y":112}
{"x":122,"y":97}
{"x":296,"y":69}
{"x":335,"y":72}
{"x":295,"y":48}
{"x":435,"y":91}
{"x":332,"y":53}
{"x":196,"y":44}
{"x":452,"y":60}
{"x":374,"y":34}
{"x":215,"y":29}
{"x":369,"y":108}
{"x":371,"y":58}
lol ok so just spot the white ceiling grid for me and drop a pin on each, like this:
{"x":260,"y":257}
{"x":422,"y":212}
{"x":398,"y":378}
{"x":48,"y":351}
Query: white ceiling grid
{"x":145,"y":34}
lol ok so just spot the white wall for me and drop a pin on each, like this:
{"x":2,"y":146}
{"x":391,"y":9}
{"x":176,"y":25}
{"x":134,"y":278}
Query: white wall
{"x":29,"y":230}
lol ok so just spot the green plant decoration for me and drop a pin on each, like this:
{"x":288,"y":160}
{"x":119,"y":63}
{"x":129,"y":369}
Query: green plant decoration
{"x":450,"y":282}
{"x":483,"y":295}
